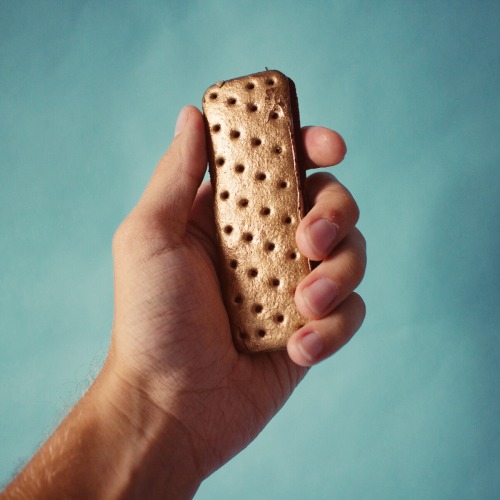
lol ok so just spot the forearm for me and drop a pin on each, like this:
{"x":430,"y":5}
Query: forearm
{"x":112,"y":445}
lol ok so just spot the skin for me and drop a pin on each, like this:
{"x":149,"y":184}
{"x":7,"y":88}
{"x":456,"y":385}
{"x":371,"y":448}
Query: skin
{"x":175,"y":400}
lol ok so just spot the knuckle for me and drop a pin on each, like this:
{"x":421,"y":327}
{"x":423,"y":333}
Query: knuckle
{"x":359,"y":307}
{"x":361,"y":241}
{"x":349,"y":206}
{"x":128,"y":237}
{"x":326,"y":179}
{"x":140,"y":237}
{"x":356,"y":264}
{"x":354,"y":210}
{"x":359,"y":303}
{"x":119,"y":236}
{"x":122,"y":237}
{"x":337,"y":203}
{"x":356,"y":272}
{"x":317,"y":183}
{"x":321,"y":179}
{"x":362,"y":238}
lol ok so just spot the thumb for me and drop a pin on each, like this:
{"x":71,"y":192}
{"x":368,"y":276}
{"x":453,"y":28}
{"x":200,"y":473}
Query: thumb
{"x":169,"y":196}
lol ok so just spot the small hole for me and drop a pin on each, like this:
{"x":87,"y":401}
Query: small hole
{"x":283,"y":184}
{"x":243,"y":335}
{"x":275,"y":282}
{"x":257,"y":308}
{"x":260,"y":176}
{"x":253,"y":273}
{"x":238,"y":299}
{"x":280,"y":318}
{"x":252,"y":108}
{"x":234,"y":264}
{"x":213,"y":95}
{"x":228,"y":229}
{"x":234,"y":134}
{"x":274,"y":115}
{"x":231,"y":101}
{"x":216,"y":128}
{"x":248,"y":237}
{"x":293,"y":256}
{"x":224,"y":195}
{"x":287,"y":220}
{"x":270,"y":247}
{"x":265,"y":211}
{"x":270,"y":81}
{"x":261,"y":333}
{"x":220,"y":162}
{"x":250,"y":86}
{"x":239,"y":168}
{"x":278,"y":150}
{"x":243,"y":203}
{"x":256,"y":141}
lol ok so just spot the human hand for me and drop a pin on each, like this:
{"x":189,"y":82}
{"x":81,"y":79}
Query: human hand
{"x":175,"y":400}
{"x":171,"y":338}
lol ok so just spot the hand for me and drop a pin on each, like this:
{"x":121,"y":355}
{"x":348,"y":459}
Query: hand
{"x":171,"y":330}
{"x":175,"y":400}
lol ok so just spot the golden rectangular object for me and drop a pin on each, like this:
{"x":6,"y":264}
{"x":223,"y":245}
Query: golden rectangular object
{"x":253,"y":136}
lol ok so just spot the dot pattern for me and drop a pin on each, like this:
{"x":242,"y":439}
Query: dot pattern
{"x":258,"y":205}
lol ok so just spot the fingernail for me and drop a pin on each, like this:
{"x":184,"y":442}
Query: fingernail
{"x":321,"y":235}
{"x":311,"y":346}
{"x":319,"y":295}
{"x":181,"y":121}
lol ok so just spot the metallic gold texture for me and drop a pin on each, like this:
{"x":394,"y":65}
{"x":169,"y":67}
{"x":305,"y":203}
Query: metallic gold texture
{"x":255,"y":172}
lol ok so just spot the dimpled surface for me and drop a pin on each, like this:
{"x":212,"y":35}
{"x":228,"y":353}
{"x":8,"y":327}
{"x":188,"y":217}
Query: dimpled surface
{"x":256,"y":180}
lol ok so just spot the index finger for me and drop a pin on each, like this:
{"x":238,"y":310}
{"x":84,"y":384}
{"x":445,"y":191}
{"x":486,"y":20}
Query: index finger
{"x":323,"y":147}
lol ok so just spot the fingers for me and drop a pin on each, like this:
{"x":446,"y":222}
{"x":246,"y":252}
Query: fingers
{"x":322,"y":147}
{"x":322,"y":338}
{"x":333,"y":214}
{"x":169,"y":196}
{"x":334,"y":279}
{"x":328,"y":234}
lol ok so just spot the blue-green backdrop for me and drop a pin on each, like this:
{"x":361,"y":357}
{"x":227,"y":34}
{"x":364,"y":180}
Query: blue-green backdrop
{"x":89,"y":93}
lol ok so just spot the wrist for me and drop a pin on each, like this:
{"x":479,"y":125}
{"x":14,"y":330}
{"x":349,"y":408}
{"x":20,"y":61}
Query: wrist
{"x":149,"y":451}
{"x":113,"y":444}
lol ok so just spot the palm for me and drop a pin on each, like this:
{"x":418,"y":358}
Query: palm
{"x":184,"y":340}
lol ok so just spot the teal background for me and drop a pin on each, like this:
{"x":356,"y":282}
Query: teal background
{"x":89,"y":94}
